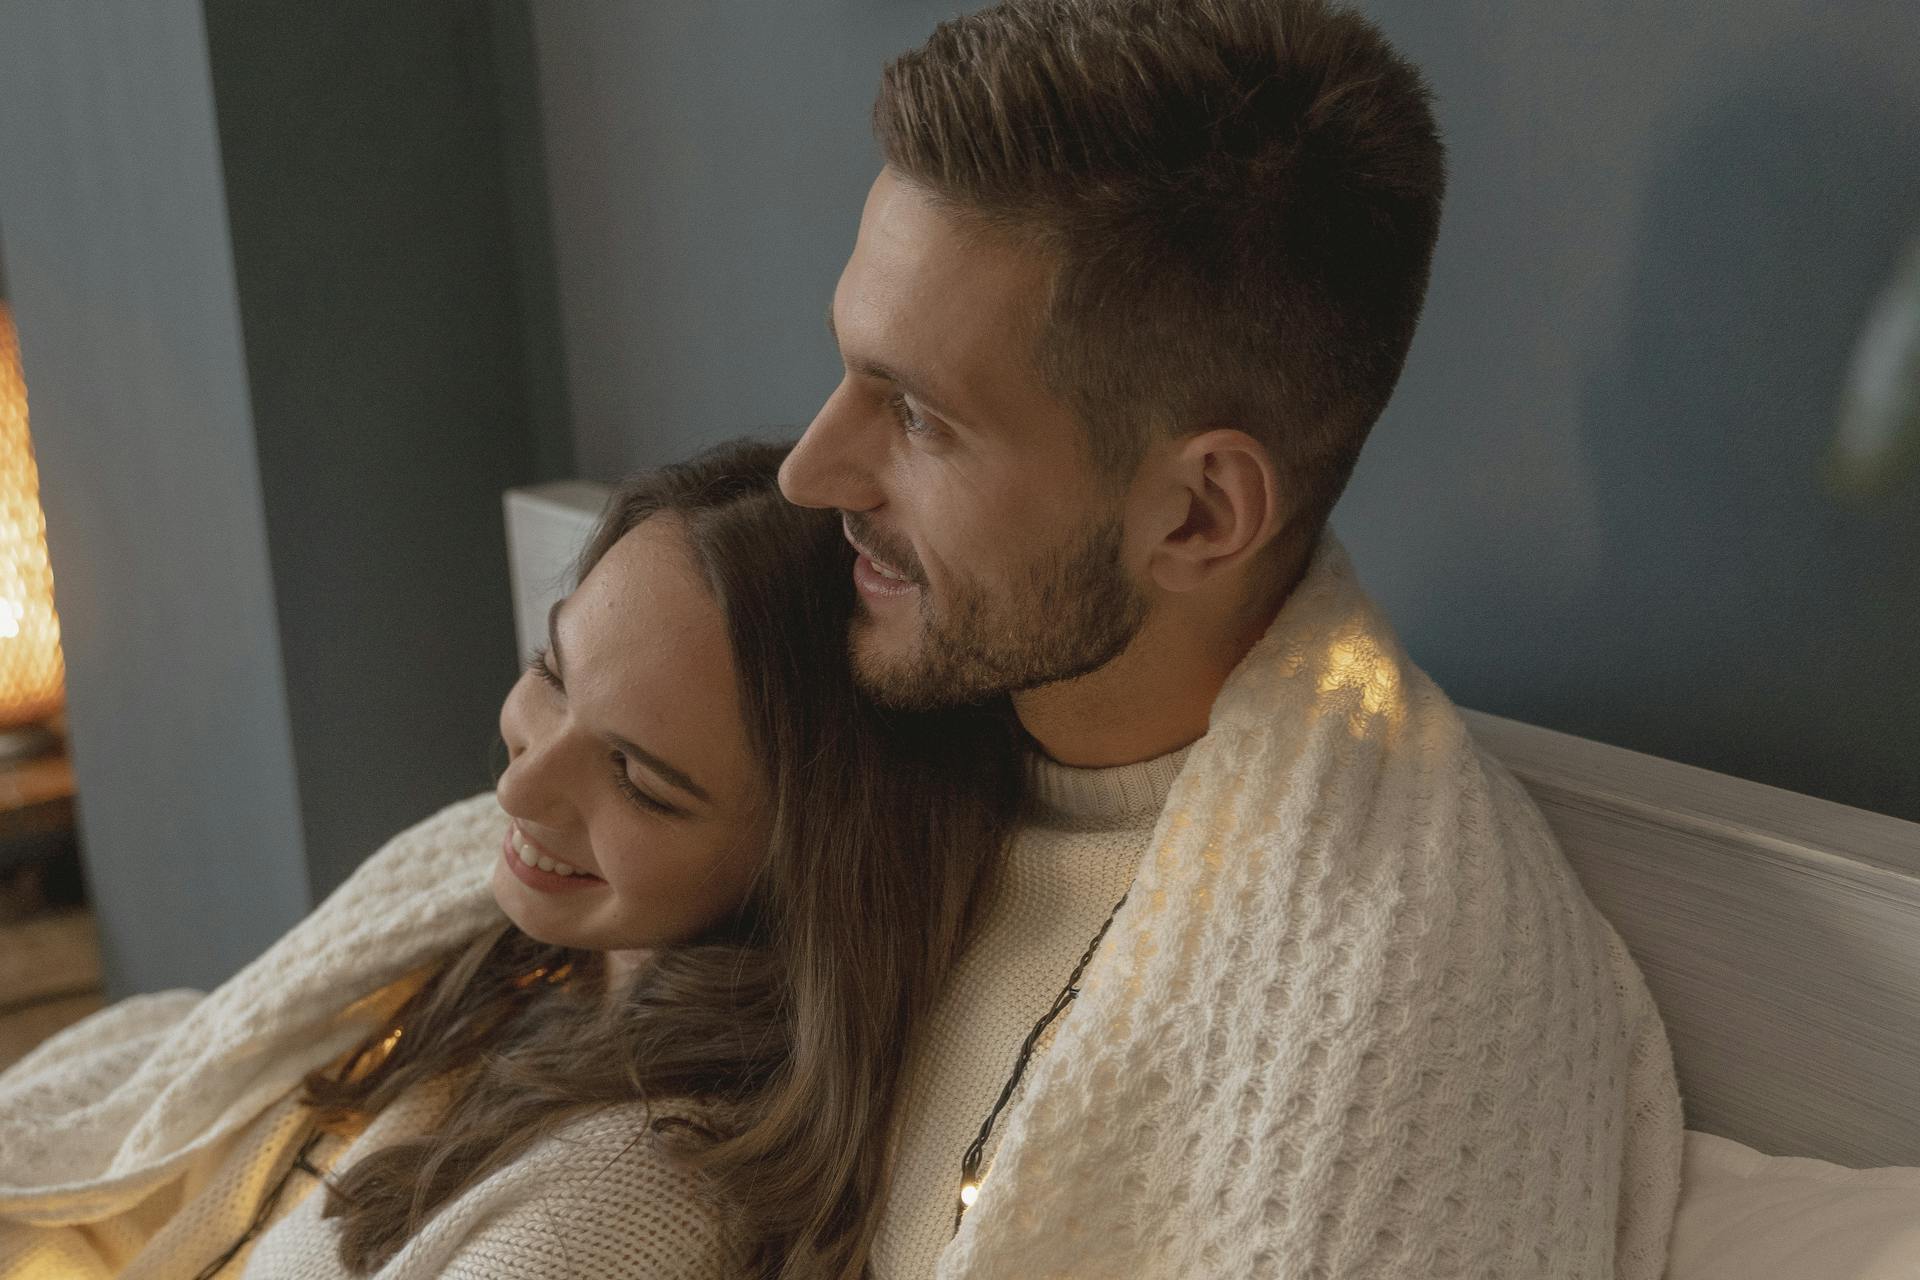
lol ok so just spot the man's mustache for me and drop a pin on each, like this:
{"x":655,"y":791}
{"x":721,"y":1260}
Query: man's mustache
{"x":898,"y":557}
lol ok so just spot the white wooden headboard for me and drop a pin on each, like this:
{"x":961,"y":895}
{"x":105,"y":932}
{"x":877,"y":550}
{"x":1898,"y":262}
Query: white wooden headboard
{"x":1779,"y":934}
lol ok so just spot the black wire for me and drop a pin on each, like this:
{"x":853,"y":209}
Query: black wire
{"x":301,"y":1162}
{"x":970,"y":1163}
{"x":265,"y":1210}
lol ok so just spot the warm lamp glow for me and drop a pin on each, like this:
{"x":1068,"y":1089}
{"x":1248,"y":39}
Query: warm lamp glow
{"x":32,"y":672}
{"x":1356,"y":663}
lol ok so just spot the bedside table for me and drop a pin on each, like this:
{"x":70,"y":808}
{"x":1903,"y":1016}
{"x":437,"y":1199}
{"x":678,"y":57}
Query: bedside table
{"x":39,"y":845}
{"x":49,"y":950}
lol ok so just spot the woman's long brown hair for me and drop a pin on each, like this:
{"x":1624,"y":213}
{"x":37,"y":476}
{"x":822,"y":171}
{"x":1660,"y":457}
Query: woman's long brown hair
{"x":786,"y":1022}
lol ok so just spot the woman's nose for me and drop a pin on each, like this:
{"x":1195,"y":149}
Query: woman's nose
{"x":534,"y":785}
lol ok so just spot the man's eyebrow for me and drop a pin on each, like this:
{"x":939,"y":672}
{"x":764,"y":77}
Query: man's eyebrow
{"x":667,"y":772}
{"x":906,"y":380}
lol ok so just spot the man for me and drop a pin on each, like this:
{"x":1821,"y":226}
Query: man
{"x":1134,"y":282}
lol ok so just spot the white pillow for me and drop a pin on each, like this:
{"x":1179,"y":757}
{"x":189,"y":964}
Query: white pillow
{"x":1746,"y":1215}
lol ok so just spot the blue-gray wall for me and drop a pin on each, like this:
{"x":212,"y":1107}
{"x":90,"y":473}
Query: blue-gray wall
{"x":279,"y":274}
{"x":120,"y":276}
{"x":371,"y":190}
{"x":706,"y":164}
{"x":1596,"y":502}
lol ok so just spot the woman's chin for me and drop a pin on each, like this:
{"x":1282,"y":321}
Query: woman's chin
{"x":521,"y":906}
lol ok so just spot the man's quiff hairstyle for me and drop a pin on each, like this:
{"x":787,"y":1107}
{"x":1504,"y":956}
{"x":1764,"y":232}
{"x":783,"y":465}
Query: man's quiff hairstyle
{"x":1238,"y":198}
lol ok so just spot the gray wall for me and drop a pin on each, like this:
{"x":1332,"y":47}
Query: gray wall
{"x":278,"y":273}
{"x":373,"y":222}
{"x":1598,"y":501}
{"x":1595,"y":504}
{"x":706,"y":164}
{"x":118,"y":269}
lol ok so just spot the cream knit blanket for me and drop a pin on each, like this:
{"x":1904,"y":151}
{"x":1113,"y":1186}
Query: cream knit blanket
{"x":1356,"y":1019}
{"x":125,"y":1101}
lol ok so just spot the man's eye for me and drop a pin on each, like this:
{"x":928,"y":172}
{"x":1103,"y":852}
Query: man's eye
{"x":912,"y":422}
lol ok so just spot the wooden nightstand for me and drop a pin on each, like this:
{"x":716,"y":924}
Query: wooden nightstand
{"x":49,"y":950}
{"x":39,"y":846}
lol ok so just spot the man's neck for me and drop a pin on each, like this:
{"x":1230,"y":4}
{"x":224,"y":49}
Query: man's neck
{"x":1158,"y":695}
{"x":1155,"y":698}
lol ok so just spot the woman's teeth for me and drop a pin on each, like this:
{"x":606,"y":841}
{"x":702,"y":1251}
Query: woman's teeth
{"x":534,"y":858}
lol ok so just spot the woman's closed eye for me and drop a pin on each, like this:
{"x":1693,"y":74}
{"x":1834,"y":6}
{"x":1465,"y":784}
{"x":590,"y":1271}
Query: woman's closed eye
{"x":537,"y":664}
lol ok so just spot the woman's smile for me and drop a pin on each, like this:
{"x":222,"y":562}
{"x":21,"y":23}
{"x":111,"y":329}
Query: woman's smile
{"x":538,"y":870}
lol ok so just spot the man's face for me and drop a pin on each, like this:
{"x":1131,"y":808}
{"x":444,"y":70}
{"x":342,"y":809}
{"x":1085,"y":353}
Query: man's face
{"x":993,"y":557}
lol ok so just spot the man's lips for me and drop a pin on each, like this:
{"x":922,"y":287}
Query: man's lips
{"x":883,"y":566}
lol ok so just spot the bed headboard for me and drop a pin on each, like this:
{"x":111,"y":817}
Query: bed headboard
{"x":1779,"y":934}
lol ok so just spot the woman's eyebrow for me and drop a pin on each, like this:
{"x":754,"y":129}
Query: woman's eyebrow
{"x":668,"y":773}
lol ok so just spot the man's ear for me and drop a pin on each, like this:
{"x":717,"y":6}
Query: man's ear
{"x":1219,"y":504}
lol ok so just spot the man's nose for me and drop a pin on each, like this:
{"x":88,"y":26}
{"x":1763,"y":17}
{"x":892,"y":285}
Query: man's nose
{"x":832,"y":465}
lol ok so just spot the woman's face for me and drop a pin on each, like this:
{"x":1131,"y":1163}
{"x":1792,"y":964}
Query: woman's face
{"x":634,"y":769}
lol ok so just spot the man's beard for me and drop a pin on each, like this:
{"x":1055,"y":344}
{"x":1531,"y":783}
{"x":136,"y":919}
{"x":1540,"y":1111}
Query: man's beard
{"x":1069,"y":614}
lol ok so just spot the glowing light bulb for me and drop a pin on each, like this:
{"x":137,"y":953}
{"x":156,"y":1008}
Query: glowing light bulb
{"x":969,"y":1192}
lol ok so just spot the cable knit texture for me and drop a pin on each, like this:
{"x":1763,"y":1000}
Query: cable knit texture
{"x":138,"y":1142}
{"x":1356,"y":1019}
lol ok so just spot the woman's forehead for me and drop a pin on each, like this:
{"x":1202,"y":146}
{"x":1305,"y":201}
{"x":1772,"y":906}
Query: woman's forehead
{"x":645,"y":654}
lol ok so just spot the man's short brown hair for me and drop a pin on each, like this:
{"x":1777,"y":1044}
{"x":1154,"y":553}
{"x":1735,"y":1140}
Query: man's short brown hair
{"x":1239,"y":200}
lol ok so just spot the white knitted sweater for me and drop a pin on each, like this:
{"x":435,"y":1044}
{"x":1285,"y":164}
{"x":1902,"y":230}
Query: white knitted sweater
{"x":1079,"y":842}
{"x":1357,"y":1019}
{"x":139,"y":1141}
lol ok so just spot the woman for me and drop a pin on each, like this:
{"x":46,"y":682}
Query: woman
{"x":728,"y":887}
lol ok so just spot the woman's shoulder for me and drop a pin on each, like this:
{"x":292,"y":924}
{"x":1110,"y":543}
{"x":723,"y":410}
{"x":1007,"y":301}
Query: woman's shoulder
{"x":600,"y":1195}
{"x":640,"y":1131}
{"x":632,"y":1149}
{"x":603,"y":1194}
